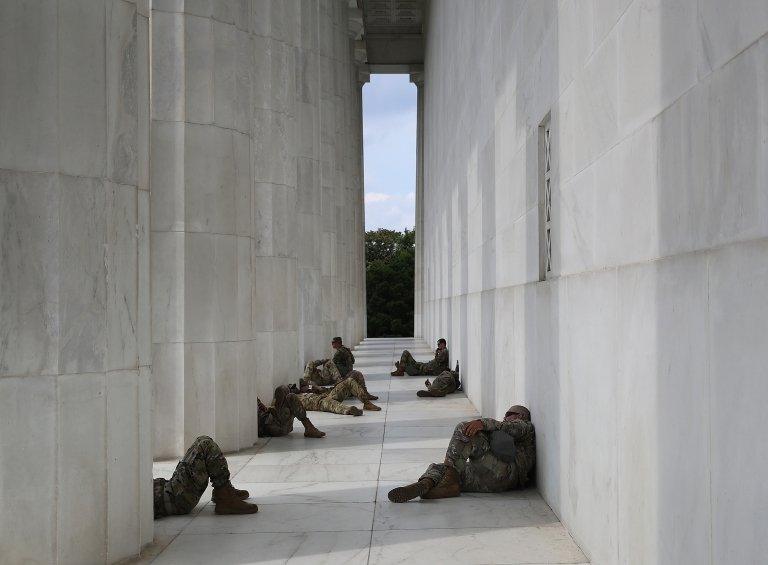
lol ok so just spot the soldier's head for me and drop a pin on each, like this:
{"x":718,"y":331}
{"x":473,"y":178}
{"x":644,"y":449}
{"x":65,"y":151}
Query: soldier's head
{"x":441,"y":343}
{"x":281,"y":393}
{"x":336,"y":342}
{"x":517,"y":412}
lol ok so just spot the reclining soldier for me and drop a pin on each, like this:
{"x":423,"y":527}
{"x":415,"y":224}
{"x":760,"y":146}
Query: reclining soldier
{"x":325,"y":372}
{"x":446,"y":382}
{"x":202,"y":462}
{"x":331,"y":399}
{"x":277,"y":420}
{"x":484,"y":455}
{"x":409,"y":365}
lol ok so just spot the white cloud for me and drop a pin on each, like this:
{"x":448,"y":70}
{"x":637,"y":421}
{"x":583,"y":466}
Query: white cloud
{"x":372,"y":197}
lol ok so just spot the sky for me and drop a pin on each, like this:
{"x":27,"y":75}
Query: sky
{"x":389,"y":146}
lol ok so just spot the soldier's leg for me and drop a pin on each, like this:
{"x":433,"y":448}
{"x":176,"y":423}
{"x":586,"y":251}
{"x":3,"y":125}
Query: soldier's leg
{"x":298,"y":411}
{"x":310,"y":402}
{"x":359,"y":378}
{"x":328,"y":404}
{"x":440,"y":386}
{"x":486,"y":473}
{"x":409,"y":364}
{"x":431,"y":477}
{"x":202,"y":462}
{"x":330,"y":373}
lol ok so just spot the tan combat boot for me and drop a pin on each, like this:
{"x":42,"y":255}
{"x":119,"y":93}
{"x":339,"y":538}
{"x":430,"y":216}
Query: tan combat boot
{"x":368,"y":405}
{"x":310,"y":430}
{"x":227,"y":502}
{"x":424,"y":393}
{"x":409,"y":492}
{"x":448,"y":487}
{"x":241,"y":494}
{"x":399,"y":370}
{"x":355,"y":411}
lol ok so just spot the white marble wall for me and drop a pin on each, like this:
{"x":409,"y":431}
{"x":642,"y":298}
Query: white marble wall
{"x":74,"y":281}
{"x":254,"y":195}
{"x":643,"y":358}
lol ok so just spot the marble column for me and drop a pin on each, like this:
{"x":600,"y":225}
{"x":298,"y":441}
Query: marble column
{"x":417,"y":78}
{"x":75,"y":461}
{"x":202,"y":226}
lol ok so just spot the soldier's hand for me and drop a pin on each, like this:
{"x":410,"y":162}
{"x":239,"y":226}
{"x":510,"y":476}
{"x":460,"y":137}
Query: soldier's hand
{"x":473,"y":427}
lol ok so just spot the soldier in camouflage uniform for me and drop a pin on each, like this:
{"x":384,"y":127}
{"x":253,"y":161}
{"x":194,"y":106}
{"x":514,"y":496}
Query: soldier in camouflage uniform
{"x":330,"y":400}
{"x":409,"y":365}
{"x":343,"y":358}
{"x":471,"y":465}
{"x":325,"y":372}
{"x":202,"y":462}
{"x":277,"y":420}
{"x":445,"y":383}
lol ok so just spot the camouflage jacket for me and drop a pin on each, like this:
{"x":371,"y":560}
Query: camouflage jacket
{"x":438,"y":364}
{"x":344,"y":360}
{"x":524,"y":435}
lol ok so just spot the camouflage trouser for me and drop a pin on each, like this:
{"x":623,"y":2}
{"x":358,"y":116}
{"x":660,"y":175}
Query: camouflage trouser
{"x":331,"y":401}
{"x":202,"y":461}
{"x":326,"y":374}
{"x":443,"y":384}
{"x":479,"y":470}
{"x":278,"y":420}
{"x":413,"y":367}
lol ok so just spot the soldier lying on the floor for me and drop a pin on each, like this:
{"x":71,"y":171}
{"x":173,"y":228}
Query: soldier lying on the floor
{"x":202,"y":462}
{"x":330,"y":399}
{"x":484,"y":455}
{"x":277,"y":420}
{"x":409,"y":365}
{"x":446,"y":382}
{"x":323,"y":372}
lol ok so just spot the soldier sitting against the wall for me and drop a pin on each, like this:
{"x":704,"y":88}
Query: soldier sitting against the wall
{"x":484,"y":455}
{"x":409,"y":365}
{"x":330,"y":399}
{"x":446,"y":382}
{"x":202,"y":462}
{"x":277,"y":420}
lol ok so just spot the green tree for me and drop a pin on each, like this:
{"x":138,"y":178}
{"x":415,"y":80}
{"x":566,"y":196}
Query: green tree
{"x":390,"y":258}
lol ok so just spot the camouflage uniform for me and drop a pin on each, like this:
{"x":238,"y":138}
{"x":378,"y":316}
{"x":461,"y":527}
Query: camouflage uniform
{"x":277,"y":420}
{"x":478,"y":468}
{"x":322,"y":374}
{"x":331,"y":401}
{"x":344,"y":360}
{"x":179,"y":495}
{"x":434,"y":367}
{"x":444,"y":383}
{"x":330,"y":375}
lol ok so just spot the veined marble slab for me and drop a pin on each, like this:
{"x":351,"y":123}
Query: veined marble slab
{"x":524,"y":545}
{"x":301,"y":548}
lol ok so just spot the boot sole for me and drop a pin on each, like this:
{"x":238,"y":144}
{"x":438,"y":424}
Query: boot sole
{"x":401,"y":494}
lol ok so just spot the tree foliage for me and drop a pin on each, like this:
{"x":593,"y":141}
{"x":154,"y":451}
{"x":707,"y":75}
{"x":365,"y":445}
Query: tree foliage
{"x":390,"y":258}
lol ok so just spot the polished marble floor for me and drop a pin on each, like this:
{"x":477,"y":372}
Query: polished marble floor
{"x":325,"y":501}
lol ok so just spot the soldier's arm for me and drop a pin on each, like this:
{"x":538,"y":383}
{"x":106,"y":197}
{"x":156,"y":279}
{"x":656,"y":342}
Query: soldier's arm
{"x":489,"y":424}
{"x":517,"y":428}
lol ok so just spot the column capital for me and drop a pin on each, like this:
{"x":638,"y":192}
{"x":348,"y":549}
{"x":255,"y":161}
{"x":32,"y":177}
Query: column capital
{"x":416,"y":74}
{"x":363,"y":75}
